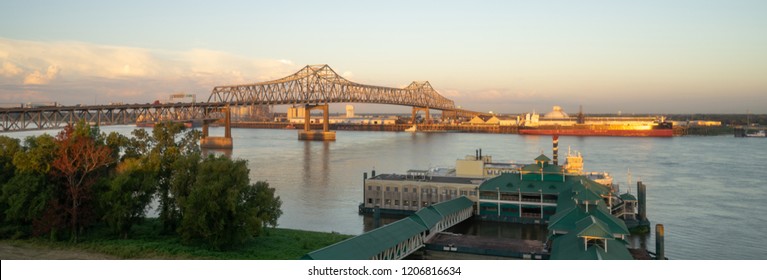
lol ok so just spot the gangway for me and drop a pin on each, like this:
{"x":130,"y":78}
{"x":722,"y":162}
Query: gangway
{"x":399,"y":239}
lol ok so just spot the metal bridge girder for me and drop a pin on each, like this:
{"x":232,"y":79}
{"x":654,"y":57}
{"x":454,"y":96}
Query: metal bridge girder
{"x":320,"y":84}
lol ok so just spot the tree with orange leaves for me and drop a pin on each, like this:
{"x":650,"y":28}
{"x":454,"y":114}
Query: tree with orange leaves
{"x":78,"y":158}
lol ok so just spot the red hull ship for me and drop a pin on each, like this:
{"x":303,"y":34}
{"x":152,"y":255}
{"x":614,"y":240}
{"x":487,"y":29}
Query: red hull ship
{"x":588,"y":131}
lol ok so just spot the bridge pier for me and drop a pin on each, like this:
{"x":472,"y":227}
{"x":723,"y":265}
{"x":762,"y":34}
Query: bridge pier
{"x":213,"y":142}
{"x":427,"y":118}
{"x":325,"y":134}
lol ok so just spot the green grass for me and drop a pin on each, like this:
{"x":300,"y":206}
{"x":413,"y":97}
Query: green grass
{"x":147,"y":243}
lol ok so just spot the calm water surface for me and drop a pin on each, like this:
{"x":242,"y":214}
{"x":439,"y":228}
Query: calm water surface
{"x":709,"y":192}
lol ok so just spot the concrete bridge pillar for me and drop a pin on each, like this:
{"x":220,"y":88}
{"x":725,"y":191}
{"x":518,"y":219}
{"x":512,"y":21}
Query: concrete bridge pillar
{"x":325,"y":134}
{"x":212,"y":142}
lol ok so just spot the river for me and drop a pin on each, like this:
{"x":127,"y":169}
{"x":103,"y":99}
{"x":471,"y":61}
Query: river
{"x":709,"y":192}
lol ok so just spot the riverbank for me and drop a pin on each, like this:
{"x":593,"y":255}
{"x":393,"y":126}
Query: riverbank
{"x":273,"y":244}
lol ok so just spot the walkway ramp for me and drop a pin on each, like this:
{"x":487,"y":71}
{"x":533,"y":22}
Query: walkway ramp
{"x":399,"y":239}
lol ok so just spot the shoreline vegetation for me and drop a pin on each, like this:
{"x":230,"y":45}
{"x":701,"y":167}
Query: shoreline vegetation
{"x":90,"y":191}
{"x":147,"y":242}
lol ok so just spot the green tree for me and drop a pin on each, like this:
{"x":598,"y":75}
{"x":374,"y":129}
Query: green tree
{"x":266,"y":204}
{"x":140,"y":145}
{"x":27,"y":195}
{"x":8,"y":149}
{"x":164,"y":150}
{"x":128,"y":194}
{"x":222,"y":208}
{"x":37,"y":156}
{"x":117,"y":142}
{"x":184,"y":175}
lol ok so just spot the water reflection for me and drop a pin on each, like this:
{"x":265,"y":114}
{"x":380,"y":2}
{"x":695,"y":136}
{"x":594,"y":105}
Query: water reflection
{"x":639,"y":241}
{"x":316,"y":167}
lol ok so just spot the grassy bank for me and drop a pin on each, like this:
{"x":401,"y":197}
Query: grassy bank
{"x":147,"y":243}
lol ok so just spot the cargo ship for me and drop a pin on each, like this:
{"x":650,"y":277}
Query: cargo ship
{"x":558,"y":122}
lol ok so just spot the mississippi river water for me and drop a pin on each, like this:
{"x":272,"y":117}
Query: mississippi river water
{"x":709,"y":192}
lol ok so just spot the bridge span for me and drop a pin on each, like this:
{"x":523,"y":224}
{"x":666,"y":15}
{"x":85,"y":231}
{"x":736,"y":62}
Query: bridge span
{"x":314,"y":86}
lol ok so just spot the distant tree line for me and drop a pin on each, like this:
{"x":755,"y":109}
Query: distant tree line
{"x":63,"y":186}
{"x":726,"y":119}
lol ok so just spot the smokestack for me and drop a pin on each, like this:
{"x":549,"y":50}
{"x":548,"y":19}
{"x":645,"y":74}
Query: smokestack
{"x":476,"y":154}
{"x":480,"y":154}
{"x":555,"y":143}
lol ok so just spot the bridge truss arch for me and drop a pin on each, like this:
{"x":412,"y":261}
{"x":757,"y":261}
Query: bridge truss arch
{"x":320,"y":84}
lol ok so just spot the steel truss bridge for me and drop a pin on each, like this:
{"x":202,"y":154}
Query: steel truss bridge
{"x":314,"y":84}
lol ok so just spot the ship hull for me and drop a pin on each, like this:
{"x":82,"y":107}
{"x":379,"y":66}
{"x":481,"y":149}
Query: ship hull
{"x":597,"y":132}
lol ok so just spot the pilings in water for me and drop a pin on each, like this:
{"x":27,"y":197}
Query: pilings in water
{"x":660,"y":248}
{"x":642,"y":196}
{"x":213,"y":142}
{"x":325,"y":134}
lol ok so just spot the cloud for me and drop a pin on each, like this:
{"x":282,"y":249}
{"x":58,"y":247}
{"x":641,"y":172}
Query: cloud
{"x":9,"y":69}
{"x":37,"y":78}
{"x":78,"y":71}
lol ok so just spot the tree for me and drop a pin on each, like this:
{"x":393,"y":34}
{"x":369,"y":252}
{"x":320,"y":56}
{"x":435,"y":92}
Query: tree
{"x":163,"y":153}
{"x":117,"y":142}
{"x":77,"y":159}
{"x":37,"y":156}
{"x":8,"y":149}
{"x":267,"y":205}
{"x":27,"y":195}
{"x":222,"y":208}
{"x":128,"y":195}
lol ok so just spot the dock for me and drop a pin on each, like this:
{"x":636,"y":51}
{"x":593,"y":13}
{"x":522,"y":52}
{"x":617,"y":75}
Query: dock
{"x":487,"y":246}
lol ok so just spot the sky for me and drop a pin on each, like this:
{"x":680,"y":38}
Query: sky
{"x":686,"y":56}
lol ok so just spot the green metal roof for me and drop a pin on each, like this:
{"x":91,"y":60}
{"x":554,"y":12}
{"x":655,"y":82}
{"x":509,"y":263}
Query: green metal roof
{"x":428,"y":217}
{"x":511,"y":183}
{"x":536,"y":168}
{"x":369,"y":244}
{"x":585,"y":195}
{"x":570,"y":247}
{"x":565,"y":220}
{"x":628,"y":196}
{"x":616,"y":226}
{"x":543,"y":158}
{"x":431,"y":215}
{"x":452,"y":206}
{"x":552,"y":183}
{"x":571,"y":213}
{"x":592,"y":227}
{"x":587,"y":184}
